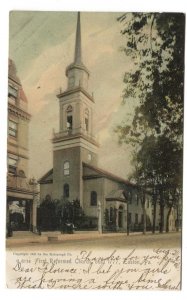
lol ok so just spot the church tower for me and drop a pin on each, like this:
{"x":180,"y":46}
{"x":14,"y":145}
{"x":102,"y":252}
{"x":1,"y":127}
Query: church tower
{"x":75,"y":142}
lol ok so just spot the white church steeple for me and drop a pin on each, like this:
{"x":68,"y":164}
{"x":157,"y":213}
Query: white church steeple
{"x":76,"y":72}
{"x":75,"y":142}
{"x":76,"y":104}
{"x":78,"y":50}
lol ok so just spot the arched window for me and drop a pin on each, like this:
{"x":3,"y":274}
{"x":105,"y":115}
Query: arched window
{"x":66,"y":168}
{"x":66,"y":190}
{"x":93,"y":200}
{"x":69,"y":117}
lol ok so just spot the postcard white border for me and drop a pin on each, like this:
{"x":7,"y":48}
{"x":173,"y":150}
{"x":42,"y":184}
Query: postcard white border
{"x":74,"y":5}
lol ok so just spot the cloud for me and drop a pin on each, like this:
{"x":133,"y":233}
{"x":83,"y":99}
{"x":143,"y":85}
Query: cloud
{"x":47,"y":53}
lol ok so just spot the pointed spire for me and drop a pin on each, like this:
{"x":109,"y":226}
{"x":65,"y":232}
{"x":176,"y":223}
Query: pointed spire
{"x":77,"y":64}
{"x":78,"y":58}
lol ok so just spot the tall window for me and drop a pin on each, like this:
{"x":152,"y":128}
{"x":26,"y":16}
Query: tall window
{"x":66,"y":190}
{"x":93,"y":200}
{"x":86,"y":119}
{"x":12,"y":128}
{"x":69,"y":122}
{"x":69,"y":117}
{"x":86,"y":124}
{"x":66,"y":168}
{"x":12,"y":163}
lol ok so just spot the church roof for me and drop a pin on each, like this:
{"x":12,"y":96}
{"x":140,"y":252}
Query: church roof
{"x":116,"y":195}
{"x":97,"y":173}
{"x":102,"y":173}
{"x":47,"y":177}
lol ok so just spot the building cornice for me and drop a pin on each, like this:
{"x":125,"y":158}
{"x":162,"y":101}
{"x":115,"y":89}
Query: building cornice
{"x":18,"y":112}
{"x":18,"y":154}
{"x":75,"y":90}
{"x":77,"y":66}
{"x":16,"y":145}
{"x":17,"y":82}
{"x":20,"y":190}
{"x":74,"y":136}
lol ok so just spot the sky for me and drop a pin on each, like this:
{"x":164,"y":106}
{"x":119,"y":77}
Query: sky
{"x":42,"y":46}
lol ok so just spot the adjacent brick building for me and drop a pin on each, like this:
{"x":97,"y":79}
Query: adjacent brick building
{"x":20,"y":191}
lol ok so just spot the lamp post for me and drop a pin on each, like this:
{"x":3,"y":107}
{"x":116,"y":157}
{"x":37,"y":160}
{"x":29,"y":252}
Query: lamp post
{"x":127,"y":195}
{"x":128,"y":198}
{"x":99,"y":218}
{"x":33,"y":214}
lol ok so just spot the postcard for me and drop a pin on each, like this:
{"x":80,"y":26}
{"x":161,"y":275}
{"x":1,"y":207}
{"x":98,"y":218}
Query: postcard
{"x":95,"y":150}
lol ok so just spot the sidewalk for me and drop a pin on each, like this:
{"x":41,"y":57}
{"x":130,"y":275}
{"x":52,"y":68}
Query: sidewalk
{"x":26,"y":237}
{"x":23,"y":237}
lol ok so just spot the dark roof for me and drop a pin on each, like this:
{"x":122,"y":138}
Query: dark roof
{"x":47,"y":177}
{"x":105,"y":174}
{"x":75,"y":90}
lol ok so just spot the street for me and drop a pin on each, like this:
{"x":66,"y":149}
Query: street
{"x":121,"y":241}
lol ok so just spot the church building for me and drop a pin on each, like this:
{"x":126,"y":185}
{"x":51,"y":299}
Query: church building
{"x":75,"y":173}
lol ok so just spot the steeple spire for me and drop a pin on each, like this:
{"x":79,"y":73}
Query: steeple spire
{"x":78,"y":52}
{"x":76,"y":72}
